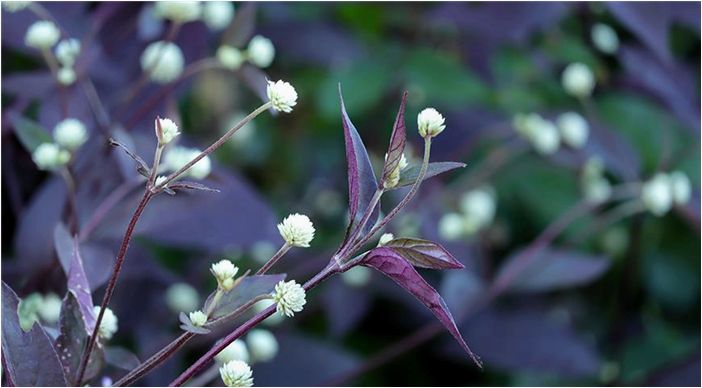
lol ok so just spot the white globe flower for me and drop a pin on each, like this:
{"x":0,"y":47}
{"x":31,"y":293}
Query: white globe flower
{"x":545,"y":138}
{"x":236,"y":374}
{"x":578,"y":80}
{"x":574,"y":129}
{"x":163,"y":61}
{"x":50,"y":310}
{"x":66,"y":76}
{"x":42,"y":35}
{"x":15,"y":6}
{"x":234,"y":351}
{"x":197,"y":318}
{"x":451,"y":226}
{"x":182,"y":297}
{"x":109,"y":324}
{"x":230,"y":57}
{"x":357,"y":276}
{"x":289,"y":298}
{"x":479,"y":205}
{"x":67,"y":51}
{"x":282,"y":96}
{"x":597,"y":190}
{"x":169,"y":131}
{"x":272,"y":320}
{"x":224,"y":270}
{"x":70,"y":133}
{"x":657,"y":194}
{"x":605,"y":38}
{"x":681,"y":187}
{"x":261,"y":51}
{"x":178,"y":11}
{"x":48,"y":156}
{"x":385,"y":238}
{"x":217,"y":15}
{"x":297,"y":230}
{"x":262,"y":344}
{"x":430,"y":122}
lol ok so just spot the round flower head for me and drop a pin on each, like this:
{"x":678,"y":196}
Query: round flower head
{"x":289,"y":297}
{"x":263,"y":345}
{"x":357,"y":276}
{"x":178,"y":11}
{"x":169,"y":131}
{"x":605,"y":38}
{"x":657,"y":194}
{"x":50,"y":310}
{"x":451,"y":226}
{"x":574,"y":129}
{"x":217,"y":14}
{"x":48,"y":156}
{"x":67,"y":51}
{"x":236,"y":374}
{"x":545,"y":138}
{"x":224,"y":270}
{"x":479,"y":205}
{"x":70,"y":134}
{"x":234,"y":351}
{"x":282,"y":96}
{"x":297,"y":230}
{"x":578,"y":80}
{"x":66,"y":76}
{"x":230,"y":57}
{"x":108,"y":326}
{"x":430,"y":122}
{"x":680,"y":184}
{"x":42,"y":35}
{"x":163,"y":61}
{"x":15,"y":6}
{"x":261,"y":51}
{"x":385,"y":238}
{"x":597,"y":190}
{"x":197,"y":318}
{"x":182,"y":297}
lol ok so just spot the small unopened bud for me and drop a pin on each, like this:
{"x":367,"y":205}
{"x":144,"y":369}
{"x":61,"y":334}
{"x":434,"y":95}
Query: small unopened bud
{"x":394,"y":177}
{"x":166,"y":131}
{"x":545,"y":138}
{"x":197,"y":318}
{"x":67,"y":51}
{"x":66,"y":76}
{"x":163,"y":61}
{"x":282,"y":96}
{"x":261,"y":51}
{"x":385,"y":238}
{"x":574,"y":129}
{"x":578,"y":80}
{"x":430,"y":122}
{"x":605,"y":38}
{"x":48,"y":156}
{"x":70,"y":134}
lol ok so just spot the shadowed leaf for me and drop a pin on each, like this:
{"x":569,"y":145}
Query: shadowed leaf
{"x":397,"y":142}
{"x":142,"y":167}
{"x":77,"y":279}
{"x":71,"y":341}
{"x":242,"y":28}
{"x":250,"y":290}
{"x":30,"y":133}
{"x":424,"y":253}
{"x":121,"y":358}
{"x":410,"y":174}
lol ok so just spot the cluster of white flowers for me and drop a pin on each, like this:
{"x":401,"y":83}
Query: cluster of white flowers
{"x":605,"y":38}
{"x":430,"y":122}
{"x":541,"y":133}
{"x":168,"y":132}
{"x":574,"y":129}
{"x":289,"y":298}
{"x":297,"y":230}
{"x":236,"y":350}
{"x":663,"y":190}
{"x":182,"y":297}
{"x":163,"y":61}
{"x":596,"y":187}
{"x":197,"y":318}
{"x":48,"y":156}
{"x":178,"y":157}
{"x":42,"y":35}
{"x":66,"y":52}
{"x":578,"y":80}
{"x":108,"y":325}
{"x":217,"y":15}
{"x":477,"y":212}
{"x":15,"y":6}
{"x":282,"y":96}
{"x":69,"y":134}
{"x":35,"y":306}
{"x":178,"y":11}
{"x":394,"y":177}
{"x":236,"y":373}
{"x":224,"y":271}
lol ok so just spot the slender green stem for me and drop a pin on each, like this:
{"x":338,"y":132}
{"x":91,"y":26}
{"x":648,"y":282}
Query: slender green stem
{"x":271,"y":262}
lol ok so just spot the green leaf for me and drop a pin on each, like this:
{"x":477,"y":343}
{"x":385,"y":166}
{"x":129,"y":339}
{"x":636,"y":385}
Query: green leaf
{"x":30,"y":133}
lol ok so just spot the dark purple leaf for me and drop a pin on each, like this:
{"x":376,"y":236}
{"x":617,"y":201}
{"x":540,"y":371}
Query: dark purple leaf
{"x":344,"y":306}
{"x":29,"y":133}
{"x":396,"y":268}
{"x":30,"y":85}
{"x":71,"y":340}
{"x":121,"y":358}
{"x":397,"y":142}
{"x":244,"y":295}
{"x":547,"y":270}
{"x":30,"y":359}
{"x":424,"y":253}
{"x":411,"y":173}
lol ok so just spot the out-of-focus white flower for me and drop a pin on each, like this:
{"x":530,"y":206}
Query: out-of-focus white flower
{"x":169,"y":131}
{"x":230,"y":57}
{"x":451,"y":226}
{"x":50,"y":309}
{"x":202,"y":168}
{"x":545,"y":138}
{"x":66,"y":76}
{"x":597,"y":190}
{"x":157,"y":182}
{"x":261,"y":51}
{"x":594,"y":168}
{"x":263,"y":345}
{"x":605,"y":38}
{"x":42,"y":35}
{"x":574,"y":129}
{"x":70,"y":133}
{"x":217,"y":14}
{"x":289,"y":298}
{"x":197,"y":318}
{"x":430,"y":122}
{"x":48,"y":156}
{"x":27,"y":310}
{"x":178,"y":157}
{"x":236,"y":374}
{"x":282,"y":96}
{"x":385,"y":238}
{"x":272,"y":320}
{"x":234,"y":351}
{"x":178,"y":11}
{"x":681,"y":187}
{"x":578,"y":80}
{"x":15,"y":6}
{"x":479,"y":205}
{"x":657,"y":194}
{"x":163,"y":61}
{"x":67,"y":51}
{"x":297,"y":230}
{"x":357,"y":276}
{"x":224,"y":271}
{"x":182,"y":297}
{"x":109,"y":325}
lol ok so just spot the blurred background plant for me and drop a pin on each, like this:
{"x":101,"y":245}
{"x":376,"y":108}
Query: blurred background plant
{"x":578,"y":216}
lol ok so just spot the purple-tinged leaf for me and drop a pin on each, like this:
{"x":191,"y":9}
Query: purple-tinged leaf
{"x":142,"y":167}
{"x":397,"y":143}
{"x":411,"y":173}
{"x":96,"y":259}
{"x":187,"y":185}
{"x":121,"y":358}
{"x":547,"y":270}
{"x":71,"y":341}
{"x":29,"y":358}
{"x":424,"y":253}
{"x":344,"y":307}
{"x":401,"y":272}
{"x":187,"y":325}
{"x":77,"y":279}
{"x":30,"y":133}
{"x":250,"y":290}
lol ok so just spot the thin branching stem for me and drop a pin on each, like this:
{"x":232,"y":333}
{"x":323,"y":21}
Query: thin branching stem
{"x":271,"y":262}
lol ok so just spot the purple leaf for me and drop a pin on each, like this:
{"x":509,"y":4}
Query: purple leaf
{"x":141,"y":167}
{"x":71,"y":340}
{"x":249,"y":291}
{"x":397,"y":142}
{"x":410,"y":174}
{"x":29,"y":358}
{"x":121,"y":358}
{"x":344,"y":307}
{"x":396,"y":268}
{"x":424,"y":253}
{"x":547,"y":270}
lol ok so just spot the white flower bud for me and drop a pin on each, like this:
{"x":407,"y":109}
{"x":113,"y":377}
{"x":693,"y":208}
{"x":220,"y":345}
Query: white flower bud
{"x":157,"y":182}
{"x":385,"y":238}
{"x":70,"y":134}
{"x":578,"y":80}
{"x":289,"y":297}
{"x":163,"y":61}
{"x":66,"y":76}
{"x":182,"y":297}
{"x":544,"y":136}
{"x":657,"y":194}
{"x":479,"y":206}
{"x":574,"y":129}
{"x":42,"y":35}
{"x":224,"y":270}
{"x":169,"y":131}
{"x":430,"y":122}
{"x":282,"y":96}
{"x":234,"y":351}
{"x":451,"y":226}
{"x":108,"y":326}
{"x":272,"y":320}
{"x":261,"y":51}
{"x":263,"y":345}
{"x":236,"y":374}
{"x":230,"y":57}
{"x":681,"y":187}
{"x":597,"y":190}
{"x":217,"y":15}
{"x":48,"y":156}
{"x":357,"y":276}
{"x":297,"y":230}
{"x":15,"y":6}
{"x":197,"y":318}
{"x":394,"y":177}
{"x":605,"y":38}
{"x":67,"y":51}
{"x":50,"y":310}
{"x":178,"y":11}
